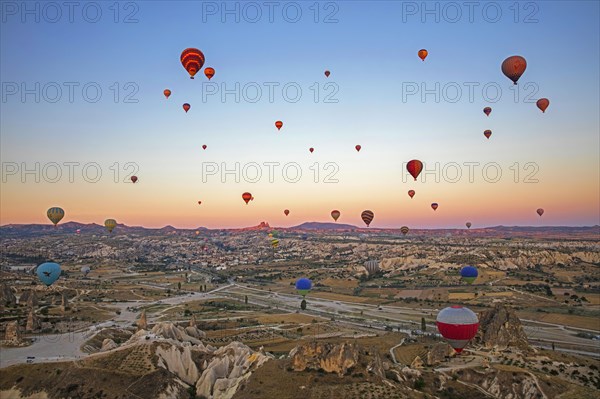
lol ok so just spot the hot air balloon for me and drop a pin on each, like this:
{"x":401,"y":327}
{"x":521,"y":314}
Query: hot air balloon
{"x":287,"y":212}
{"x":110,"y":224}
{"x":423,"y":54}
{"x":209,"y":72}
{"x":327,"y":73}
{"x":192,"y":60}
{"x":414,"y":167}
{"x":358,"y":147}
{"x":279,"y":125}
{"x":540,"y":211}
{"x":411,"y":193}
{"x":487,"y":111}
{"x":247,"y":197}
{"x":134,"y":179}
{"x":335,"y":214}
{"x":167,"y":93}
{"x":55,"y":214}
{"x":469,"y":274}
{"x":487,"y":133}
{"x":197,"y":232}
{"x":48,"y":272}
{"x":275,"y":242}
{"x":204,"y":146}
{"x":372,"y":266}
{"x":311,"y":149}
{"x":404,"y":230}
{"x":186,"y":107}
{"x":542,"y":104}
{"x":78,"y":231}
{"x":458,"y":325}
{"x":468,"y":224}
{"x":303,"y":286}
{"x":85,"y":270}
{"x":199,"y":202}
{"x":434,"y":206}
{"x":513,"y":67}
{"x":367,"y":217}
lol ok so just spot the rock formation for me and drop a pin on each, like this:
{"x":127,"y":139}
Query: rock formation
{"x":33,"y":324}
{"x":417,"y":363}
{"x":107,"y":345}
{"x":64,"y":302}
{"x":500,"y":328}
{"x":142,"y":324}
{"x":171,"y":331}
{"x":438,"y":353}
{"x":29,"y":298}
{"x":6,"y":295}
{"x":13,"y":334}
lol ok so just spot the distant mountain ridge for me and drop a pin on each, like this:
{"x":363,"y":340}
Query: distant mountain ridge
{"x":323,"y":226}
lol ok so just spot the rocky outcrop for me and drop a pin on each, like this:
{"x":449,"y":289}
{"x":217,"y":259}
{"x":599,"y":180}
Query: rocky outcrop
{"x":417,"y":363}
{"x":142,"y":324}
{"x":500,"y":328}
{"x":13,"y":333}
{"x":7,"y":297}
{"x":108,"y":344}
{"x":171,"y":331}
{"x":29,"y":298}
{"x":33,"y":324}
{"x":438,"y":353}
{"x":328,"y":357}
{"x":64,"y":302}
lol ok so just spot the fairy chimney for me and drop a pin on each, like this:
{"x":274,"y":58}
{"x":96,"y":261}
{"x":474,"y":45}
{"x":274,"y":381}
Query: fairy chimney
{"x":13,"y":334}
{"x":33,"y":323}
{"x":142,"y":323}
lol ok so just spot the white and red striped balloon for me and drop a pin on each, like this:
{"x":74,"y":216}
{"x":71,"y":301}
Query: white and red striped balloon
{"x":458,"y":325}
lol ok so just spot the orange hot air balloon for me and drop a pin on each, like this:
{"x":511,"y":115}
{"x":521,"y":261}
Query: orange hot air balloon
{"x":192,"y":60}
{"x":287,"y":212}
{"x":134,"y":178}
{"x":367,"y":217}
{"x":411,"y":193}
{"x":487,"y":133}
{"x":358,"y":147}
{"x":423,"y":54}
{"x":311,"y":149}
{"x":247,"y":197}
{"x":204,"y":146}
{"x":540,"y":211}
{"x":335,"y":214}
{"x":542,"y":104}
{"x":209,"y":72}
{"x":279,"y":125}
{"x":167,"y":93}
{"x":327,"y":73}
{"x":434,"y":206}
{"x":513,"y":67}
{"x":186,"y":107}
{"x":414,"y":167}
{"x":487,"y":111}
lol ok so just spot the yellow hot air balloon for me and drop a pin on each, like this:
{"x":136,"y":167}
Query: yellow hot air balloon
{"x":55,"y":215}
{"x":275,"y":242}
{"x":110,"y":224}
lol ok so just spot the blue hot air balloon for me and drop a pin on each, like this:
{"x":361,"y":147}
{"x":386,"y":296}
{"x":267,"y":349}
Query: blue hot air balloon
{"x":303,"y":285}
{"x":48,"y":272}
{"x":469,"y":274}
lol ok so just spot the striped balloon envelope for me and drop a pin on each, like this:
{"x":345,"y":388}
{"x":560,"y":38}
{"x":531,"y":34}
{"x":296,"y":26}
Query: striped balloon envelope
{"x":367,"y":217}
{"x":372,"y":266}
{"x":458,"y":325}
{"x":55,"y":214}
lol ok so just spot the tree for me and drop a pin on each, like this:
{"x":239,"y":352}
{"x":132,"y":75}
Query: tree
{"x":179,"y":286}
{"x":423,"y":324}
{"x":303,"y":304}
{"x":246,"y":299}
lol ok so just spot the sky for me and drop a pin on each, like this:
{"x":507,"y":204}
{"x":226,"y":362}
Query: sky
{"x":83,"y":109}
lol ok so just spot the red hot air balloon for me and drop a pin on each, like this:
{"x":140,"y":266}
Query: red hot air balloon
{"x":540,"y":211}
{"x":204,"y":146}
{"x":487,"y":133}
{"x":542,"y":104}
{"x":434,"y":206}
{"x":327,"y":73}
{"x":358,"y":147}
{"x":423,"y":54}
{"x":287,"y":212}
{"x":134,"y":178}
{"x":247,"y":197}
{"x":487,"y":111}
{"x":279,"y":125}
{"x":209,"y":72}
{"x":167,"y":93}
{"x":311,"y":149}
{"x":458,"y":325}
{"x":335,"y":214}
{"x":192,"y":60}
{"x":411,"y":193}
{"x":186,"y":107}
{"x":414,"y":167}
{"x":367,"y":217}
{"x":513,"y":67}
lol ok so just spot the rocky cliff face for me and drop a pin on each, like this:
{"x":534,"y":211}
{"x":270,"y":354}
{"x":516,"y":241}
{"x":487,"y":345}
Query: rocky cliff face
{"x":7,"y":297}
{"x":500,"y":328}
